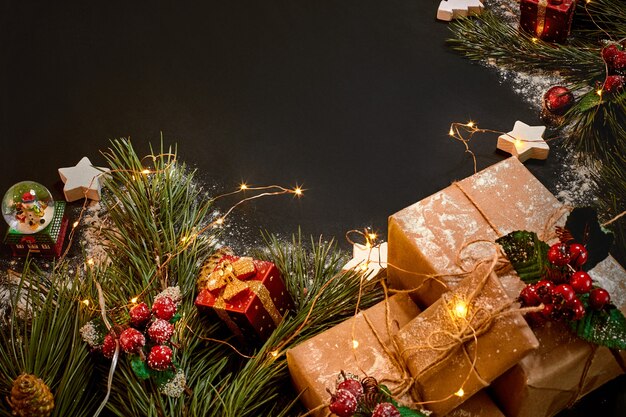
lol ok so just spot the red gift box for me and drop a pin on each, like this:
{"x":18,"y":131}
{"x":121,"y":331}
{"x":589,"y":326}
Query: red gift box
{"x":248,"y":295}
{"x":550,"y":20}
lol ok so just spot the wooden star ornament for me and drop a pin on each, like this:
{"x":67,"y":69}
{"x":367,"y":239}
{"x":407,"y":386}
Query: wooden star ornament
{"x":524,"y":142}
{"x":453,"y":9}
{"x":82,"y":180}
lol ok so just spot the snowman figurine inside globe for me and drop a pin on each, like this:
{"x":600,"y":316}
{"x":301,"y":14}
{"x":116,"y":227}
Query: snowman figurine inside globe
{"x":28,"y":207}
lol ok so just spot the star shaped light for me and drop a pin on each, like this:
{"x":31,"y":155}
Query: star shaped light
{"x":82,"y":180}
{"x":525,"y":142}
{"x":453,"y":9}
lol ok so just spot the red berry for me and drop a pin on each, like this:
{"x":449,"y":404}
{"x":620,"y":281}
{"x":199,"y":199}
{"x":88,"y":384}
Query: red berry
{"x":577,"y":309}
{"x":608,"y":54}
{"x":613,"y":83}
{"x":598,"y":298}
{"x":160,"y":331}
{"x":108,"y":346}
{"x":352,"y":385}
{"x":579,"y":254}
{"x":160,"y":358}
{"x":536,"y":318}
{"x":529,"y":297}
{"x":543,"y":289}
{"x":563,"y":293}
{"x":619,"y":62}
{"x":558,"y":254}
{"x":132,"y":340}
{"x":385,"y":410}
{"x":547,"y":311}
{"x":164,"y":308}
{"x":139,"y":315}
{"x":343,"y":403}
{"x":581,"y":282}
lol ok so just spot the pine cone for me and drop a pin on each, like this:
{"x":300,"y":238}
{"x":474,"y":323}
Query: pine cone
{"x":31,"y":397}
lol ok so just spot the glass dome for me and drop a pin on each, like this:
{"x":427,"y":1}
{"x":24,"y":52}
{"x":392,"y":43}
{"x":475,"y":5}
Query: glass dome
{"x":27,"y":207}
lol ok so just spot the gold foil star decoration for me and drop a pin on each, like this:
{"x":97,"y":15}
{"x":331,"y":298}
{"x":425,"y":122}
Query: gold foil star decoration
{"x":525,"y":142}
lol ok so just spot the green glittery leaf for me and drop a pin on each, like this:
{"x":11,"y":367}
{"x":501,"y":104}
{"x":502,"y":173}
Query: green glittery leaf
{"x":527,"y":253}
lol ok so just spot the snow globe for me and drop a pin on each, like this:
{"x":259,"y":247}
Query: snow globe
{"x":27,"y":207}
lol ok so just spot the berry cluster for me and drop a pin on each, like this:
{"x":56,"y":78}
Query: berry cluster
{"x":363,"y":398}
{"x":566,"y":291}
{"x":615,"y":58}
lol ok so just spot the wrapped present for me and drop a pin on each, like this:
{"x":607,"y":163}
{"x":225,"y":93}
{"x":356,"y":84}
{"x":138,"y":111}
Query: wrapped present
{"x":426,"y":239}
{"x":564,"y":367}
{"x":464,"y":341}
{"x":247,"y":294}
{"x":480,"y":405}
{"x":550,"y":20}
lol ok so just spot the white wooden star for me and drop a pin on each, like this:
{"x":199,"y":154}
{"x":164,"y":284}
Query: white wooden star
{"x":525,"y":142}
{"x":453,"y":9}
{"x":82,"y":180}
{"x":368,"y":260}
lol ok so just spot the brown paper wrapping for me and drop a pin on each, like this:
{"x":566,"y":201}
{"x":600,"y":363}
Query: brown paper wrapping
{"x":480,"y":405}
{"x":315,"y":364}
{"x":499,"y":346}
{"x":425,"y":237}
{"x":547,"y":380}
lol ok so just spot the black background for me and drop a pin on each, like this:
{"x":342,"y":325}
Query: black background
{"x":351,"y":99}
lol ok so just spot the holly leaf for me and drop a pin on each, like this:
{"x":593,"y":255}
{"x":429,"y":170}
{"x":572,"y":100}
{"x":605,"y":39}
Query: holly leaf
{"x":589,"y":101}
{"x":583,"y":225}
{"x":163,"y":377}
{"x":409,"y":412}
{"x":527,"y":254}
{"x":139,"y":367}
{"x":604,"y":328}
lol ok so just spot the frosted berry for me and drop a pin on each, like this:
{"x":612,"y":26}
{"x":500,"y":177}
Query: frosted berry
{"x":563,"y":293}
{"x":386,"y":410}
{"x":164,"y":308}
{"x":139,"y":315}
{"x":160,"y":331}
{"x":132,"y":340}
{"x":343,"y":403}
{"x":581,"y":282}
{"x":544,"y":291}
{"x":352,"y":385}
{"x":598,"y":298}
{"x":619,"y":62}
{"x":577,"y":309}
{"x":578,"y":254}
{"x":613,"y":83}
{"x":160,"y":358}
{"x":558,"y":100}
{"x":529,"y":297}
{"x":108,"y":346}
{"x":609,"y":53}
{"x":558,"y":254}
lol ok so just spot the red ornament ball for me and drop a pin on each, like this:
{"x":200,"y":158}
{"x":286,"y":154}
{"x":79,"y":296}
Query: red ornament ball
{"x":558,"y":100}
{"x":608,"y":54}
{"x":558,"y":254}
{"x":547,"y":311}
{"x":578,"y":254}
{"x":108,"y":346}
{"x":139,"y":315}
{"x":132,"y":340}
{"x":164,"y":308}
{"x":160,"y":358}
{"x":343,"y":403}
{"x":352,"y":385}
{"x":613,"y":83}
{"x":385,"y":410}
{"x":581,"y":282}
{"x":599,"y":298}
{"x":160,"y":331}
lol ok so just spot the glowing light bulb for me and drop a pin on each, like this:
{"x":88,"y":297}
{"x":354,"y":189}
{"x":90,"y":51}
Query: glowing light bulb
{"x":470,"y":124}
{"x":243,"y":187}
{"x":90,"y":262}
{"x":460,"y":392}
{"x":219,"y":221}
{"x":134,"y":300}
{"x":75,"y":224}
{"x":372,"y":236}
{"x":460,"y":309}
{"x":451,"y":132}
{"x":297,"y":191}
{"x":355,"y":344}
{"x":145,"y":171}
{"x":517,"y":143}
{"x":85,"y":301}
{"x":364,"y":266}
{"x":599,"y":92}
{"x":183,"y":239}
{"x":534,"y":39}
{"x":274,"y":353}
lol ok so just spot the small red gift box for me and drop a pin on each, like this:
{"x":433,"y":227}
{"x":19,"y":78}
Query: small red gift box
{"x":248,"y":295}
{"x":550,"y":20}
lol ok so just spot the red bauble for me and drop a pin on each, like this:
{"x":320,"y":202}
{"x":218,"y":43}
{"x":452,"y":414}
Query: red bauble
{"x":558,"y":100}
{"x":352,"y":385}
{"x":160,"y":331}
{"x":343,"y":403}
{"x":563,"y":294}
{"x":578,"y":254}
{"x":385,"y":410}
{"x":108,"y":346}
{"x":160,"y":358}
{"x":581,"y":282}
{"x":164,"y":308}
{"x":132,"y":340}
{"x":613,"y":83}
{"x":529,"y":297}
{"x":577,"y":309}
{"x":139,"y":315}
{"x":558,"y":254}
{"x":619,"y":62}
{"x":599,"y":298}
{"x":608,"y":54}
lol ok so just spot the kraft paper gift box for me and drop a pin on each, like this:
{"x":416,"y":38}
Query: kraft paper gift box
{"x":553,"y":377}
{"x":462,"y":342}
{"x":426,"y":237}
